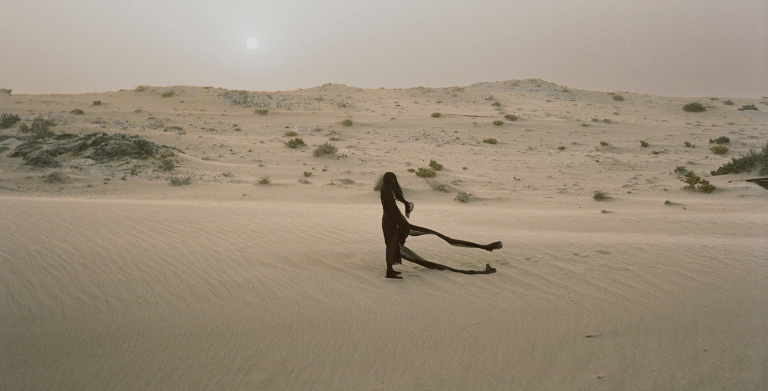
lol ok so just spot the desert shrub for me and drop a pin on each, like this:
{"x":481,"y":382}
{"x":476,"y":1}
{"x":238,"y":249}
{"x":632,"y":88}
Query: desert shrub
{"x":599,"y":195}
{"x":141,"y":88}
{"x":496,"y":104}
{"x":77,"y":112}
{"x":490,"y":141}
{"x":346,"y":181}
{"x":694,"y":182}
{"x":307,"y":173}
{"x":168,"y":164}
{"x":8,"y":120}
{"x":40,"y":126}
{"x":728,"y":102}
{"x":261,"y":111}
{"x":746,"y":163}
{"x":562,"y":148}
{"x":295,"y":143}
{"x":681,"y":170}
{"x":411,"y":170}
{"x":325,"y":149}
{"x":644,"y":144}
{"x":304,"y":181}
{"x":462,"y":197}
{"x":433,"y":164}
{"x":719,"y":149}
{"x":265,"y":180}
{"x":748,"y":107}
{"x":436,"y":115}
{"x":720,"y":140}
{"x":347,"y":122}
{"x":56,"y":177}
{"x":437,"y":186}
{"x":689,"y":145}
{"x":511,"y":117}
{"x":227,"y":174}
{"x":605,"y":144}
{"x":595,"y":119}
{"x":168,"y":94}
{"x":618,"y":98}
{"x":424,"y":172}
{"x":694,"y":107}
{"x":498,"y":123}
{"x":290,"y":133}
{"x":23,"y":128}
{"x":96,"y":103}
{"x":607,"y":121}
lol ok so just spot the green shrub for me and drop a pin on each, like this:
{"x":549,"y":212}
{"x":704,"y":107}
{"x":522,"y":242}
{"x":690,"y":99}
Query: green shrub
{"x":644,"y":144}
{"x":424,"y":172}
{"x":290,"y":133}
{"x":168,"y":94}
{"x":728,"y":102}
{"x":746,"y":163}
{"x":748,"y":107}
{"x":605,"y":144}
{"x":720,"y":140}
{"x":261,"y":111}
{"x":347,"y":122}
{"x":562,"y":148}
{"x":496,"y":104}
{"x":97,"y":103}
{"x":295,"y":143}
{"x":325,"y":149}
{"x":600,"y":195}
{"x":694,"y":182}
{"x":694,"y":107}
{"x":40,"y":127}
{"x":77,"y":112}
{"x":433,"y":164}
{"x":307,"y":173}
{"x":436,"y":115}
{"x":141,"y":88}
{"x":490,"y":141}
{"x":719,"y":149}
{"x":511,"y":117}
{"x":265,"y":180}
{"x":8,"y":120}
{"x":688,"y":144}
{"x":618,"y":98}
{"x":498,"y":123}
{"x":411,"y":170}
{"x":607,"y":121}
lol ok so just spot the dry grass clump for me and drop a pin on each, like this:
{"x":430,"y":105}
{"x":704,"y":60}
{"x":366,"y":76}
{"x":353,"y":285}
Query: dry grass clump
{"x":694,"y":107}
{"x":728,"y":102}
{"x":346,"y":122}
{"x":264,"y":180}
{"x":325,"y":149}
{"x":307,"y":173}
{"x":424,"y":172}
{"x":437,"y":186}
{"x":498,"y":123}
{"x":8,"y":120}
{"x":77,"y":112}
{"x":511,"y":117}
{"x":490,"y":141}
{"x":694,"y":182}
{"x":168,"y":93}
{"x":436,"y":115}
{"x":600,"y":195}
{"x":462,"y":197}
{"x":689,"y":145}
{"x":720,"y":140}
{"x":719,"y":149}
{"x":295,"y":143}
{"x":96,"y":103}
{"x":605,"y":144}
{"x":261,"y":111}
{"x":748,"y":107}
{"x":618,"y":98}
{"x":433,"y":164}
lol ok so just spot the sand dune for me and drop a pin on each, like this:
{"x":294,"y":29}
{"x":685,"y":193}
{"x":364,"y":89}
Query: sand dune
{"x":130,"y":283}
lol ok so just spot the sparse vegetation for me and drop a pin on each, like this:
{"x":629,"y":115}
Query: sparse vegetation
{"x":290,"y":133}
{"x":227,"y":174}
{"x":424,"y":172}
{"x":748,"y":107}
{"x":96,"y":103}
{"x":600,"y":195}
{"x":436,"y":115}
{"x":168,"y":164}
{"x":141,"y":88}
{"x":496,"y":104}
{"x":562,"y":147}
{"x":689,"y":145}
{"x":618,"y":98}
{"x":346,"y":181}
{"x":511,"y":117}
{"x":347,"y":122}
{"x":498,"y":123}
{"x":728,"y":102}
{"x":490,"y":141}
{"x":719,"y":149}
{"x":307,"y":173}
{"x":8,"y":120}
{"x":746,"y":163}
{"x":261,"y":111}
{"x":40,"y":127}
{"x":605,"y":144}
{"x":694,"y":182}
{"x":644,"y":144}
{"x":325,"y":149}
{"x":694,"y":107}
{"x":56,"y":177}
{"x":462,"y":197}
{"x":411,"y":170}
{"x":433,"y":164}
{"x":265,"y":180}
{"x":295,"y":143}
{"x":720,"y":140}
{"x":607,"y":121}
{"x":168,"y":93}
{"x":437,"y":186}
{"x":77,"y":112}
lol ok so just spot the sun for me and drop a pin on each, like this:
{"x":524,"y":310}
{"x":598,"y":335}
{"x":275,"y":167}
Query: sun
{"x":252,"y":42}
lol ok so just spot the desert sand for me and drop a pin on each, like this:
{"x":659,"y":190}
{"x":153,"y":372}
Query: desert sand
{"x":111,"y":278}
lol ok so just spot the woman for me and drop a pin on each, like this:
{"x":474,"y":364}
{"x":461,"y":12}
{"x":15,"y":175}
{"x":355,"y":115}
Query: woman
{"x":396,"y":229}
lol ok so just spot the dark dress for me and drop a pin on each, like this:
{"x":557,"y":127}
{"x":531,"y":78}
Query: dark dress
{"x":393,"y":224}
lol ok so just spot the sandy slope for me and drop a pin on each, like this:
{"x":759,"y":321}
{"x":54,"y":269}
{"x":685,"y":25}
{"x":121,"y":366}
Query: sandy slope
{"x":226,"y":284}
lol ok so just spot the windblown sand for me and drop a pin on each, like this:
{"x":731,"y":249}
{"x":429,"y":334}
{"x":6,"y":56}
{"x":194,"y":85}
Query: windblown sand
{"x":114,"y":279}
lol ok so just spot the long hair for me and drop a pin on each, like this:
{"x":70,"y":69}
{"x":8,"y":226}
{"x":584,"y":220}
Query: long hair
{"x":390,"y":184}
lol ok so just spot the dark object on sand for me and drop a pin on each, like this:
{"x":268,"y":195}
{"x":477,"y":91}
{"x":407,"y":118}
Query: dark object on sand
{"x":411,"y":256}
{"x":762,"y":182}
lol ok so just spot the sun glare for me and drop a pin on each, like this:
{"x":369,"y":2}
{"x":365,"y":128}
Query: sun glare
{"x":252,"y":42}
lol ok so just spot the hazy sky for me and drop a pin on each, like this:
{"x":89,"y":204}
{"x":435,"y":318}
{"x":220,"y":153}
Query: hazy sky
{"x":661,"y":47}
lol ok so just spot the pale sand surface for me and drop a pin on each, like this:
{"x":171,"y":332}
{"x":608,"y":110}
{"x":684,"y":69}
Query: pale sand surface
{"x":227,"y":284}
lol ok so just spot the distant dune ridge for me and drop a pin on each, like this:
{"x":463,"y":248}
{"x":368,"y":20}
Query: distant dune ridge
{"x":266,"y":271}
